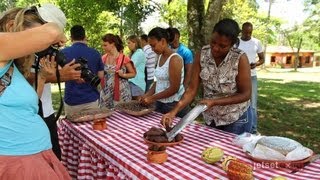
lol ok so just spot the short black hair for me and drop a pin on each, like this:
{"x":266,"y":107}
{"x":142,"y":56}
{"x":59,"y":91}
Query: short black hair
{"x":159,"y":33}
{"x":247,"y":24}
{"x":77,"y":33}
{"x":144,"y":37}
{"x":229,"y":28}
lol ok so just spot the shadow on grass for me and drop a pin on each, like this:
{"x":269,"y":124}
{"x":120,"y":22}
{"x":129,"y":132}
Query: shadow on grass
{"x":290,"y":109}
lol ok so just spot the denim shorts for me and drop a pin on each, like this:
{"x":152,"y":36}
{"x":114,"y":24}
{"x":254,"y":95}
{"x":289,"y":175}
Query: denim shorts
{"x":243,"y":124}
{"x":136,"y":90}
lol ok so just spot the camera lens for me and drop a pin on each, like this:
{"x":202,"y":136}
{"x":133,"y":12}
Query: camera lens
{"x":95,"y":81}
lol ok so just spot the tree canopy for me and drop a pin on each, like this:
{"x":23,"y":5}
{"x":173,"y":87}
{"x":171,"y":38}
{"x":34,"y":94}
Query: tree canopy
{"x":194,"y":18}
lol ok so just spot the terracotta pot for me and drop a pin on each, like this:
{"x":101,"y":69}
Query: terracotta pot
{"x":99,"y":124}
{"x":157,"y":156}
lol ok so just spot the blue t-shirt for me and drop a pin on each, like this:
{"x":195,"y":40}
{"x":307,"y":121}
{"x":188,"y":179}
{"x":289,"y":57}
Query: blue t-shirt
{"x":81,"y":93}
{"x":139,"y":60}
{"x":22,"y":131}
{"x":185,"y":53}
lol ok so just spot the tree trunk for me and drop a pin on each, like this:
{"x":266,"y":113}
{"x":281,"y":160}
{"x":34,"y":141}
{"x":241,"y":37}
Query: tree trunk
{"x":170,"y":20}
{"x":211,"y":18}
{"x":296,"y":59}
{"x":195,"y":15}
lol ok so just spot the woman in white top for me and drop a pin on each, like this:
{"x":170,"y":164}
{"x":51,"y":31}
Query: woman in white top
{"x":168,"y":88}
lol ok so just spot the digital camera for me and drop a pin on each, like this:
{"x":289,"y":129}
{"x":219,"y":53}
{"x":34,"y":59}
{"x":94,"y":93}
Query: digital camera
{"x":86,"y":73}
{"x":52,"y":51}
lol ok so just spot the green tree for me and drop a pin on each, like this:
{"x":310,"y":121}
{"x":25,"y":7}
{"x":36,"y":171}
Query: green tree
{"x":174,"y":13}
{"x":121,"y":17}
{"x":312,"y":25}
{"x":201,"y":19}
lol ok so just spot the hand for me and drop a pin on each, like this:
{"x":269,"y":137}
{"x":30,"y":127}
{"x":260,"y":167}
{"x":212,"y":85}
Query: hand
{"x":208,"y":102}
{"x":70,"y":72}
{"x":61,"y":39}
{"x":80,"y":81}
{"x":121,"y":74}
{"x":139,"y":98}
{"x":48,"y":66}
{"x":167,"y":119}
{"x":253,"y":65}
{"x":147,"y":100}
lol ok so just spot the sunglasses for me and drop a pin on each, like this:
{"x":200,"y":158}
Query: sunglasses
{"x":34,"y":10}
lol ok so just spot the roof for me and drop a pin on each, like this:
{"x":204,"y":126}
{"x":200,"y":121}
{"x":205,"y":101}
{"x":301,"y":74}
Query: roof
{"x":284,"y":49}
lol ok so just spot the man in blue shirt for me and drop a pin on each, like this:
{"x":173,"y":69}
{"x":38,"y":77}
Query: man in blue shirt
{"x":80,"y":96}
{"x":186,"y":55}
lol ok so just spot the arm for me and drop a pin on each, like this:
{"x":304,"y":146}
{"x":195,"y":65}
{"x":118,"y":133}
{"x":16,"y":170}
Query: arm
{"x":260,"y":55}
{"x":175,"y":68}
{"x":30,"y":41}
{"x":243,"y":81}
{"x":100,"y":74}
{"x":187,"y":76}
{"x":67,"y":72}
{"x":261,"y":59}
{"x":47,"y":69}
{"x":188,"y":95}
{"x":131,"y":71}
{"x":149,"y":93}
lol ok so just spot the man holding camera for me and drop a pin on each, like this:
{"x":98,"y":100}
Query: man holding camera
{"x":82,"y":95}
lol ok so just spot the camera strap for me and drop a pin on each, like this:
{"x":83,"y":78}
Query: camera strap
{"x":5,"y":80}
{"x":36,"y":71}
{"x":61,"y":100}
{"x":116,"y":94}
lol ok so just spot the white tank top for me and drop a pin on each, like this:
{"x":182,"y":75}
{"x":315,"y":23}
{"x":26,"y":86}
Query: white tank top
{"x":162,"y":78}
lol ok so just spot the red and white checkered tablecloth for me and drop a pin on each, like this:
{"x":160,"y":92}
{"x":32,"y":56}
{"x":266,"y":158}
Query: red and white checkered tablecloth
{"x":119,"y":152}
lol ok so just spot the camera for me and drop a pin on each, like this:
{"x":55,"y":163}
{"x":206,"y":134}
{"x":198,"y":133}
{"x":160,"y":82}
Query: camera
{"x":86,"y":73}
{"x":60,"y":58}
{"x":52,"y":51}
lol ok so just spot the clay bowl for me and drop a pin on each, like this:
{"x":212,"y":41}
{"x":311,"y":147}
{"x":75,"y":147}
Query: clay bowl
{"x":99,"y":124}
{"x":158,"y":157}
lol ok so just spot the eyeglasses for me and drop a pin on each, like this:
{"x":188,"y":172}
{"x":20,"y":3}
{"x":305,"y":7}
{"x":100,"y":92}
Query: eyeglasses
{"x":34,"y":10}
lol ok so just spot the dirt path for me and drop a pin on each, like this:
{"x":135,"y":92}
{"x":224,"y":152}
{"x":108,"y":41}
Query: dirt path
{"x":305,"y":74}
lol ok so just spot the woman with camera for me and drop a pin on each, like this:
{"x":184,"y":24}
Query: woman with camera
{"x":25,"y":147}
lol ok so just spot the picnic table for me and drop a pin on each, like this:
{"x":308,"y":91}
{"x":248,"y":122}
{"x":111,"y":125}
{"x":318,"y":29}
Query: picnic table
{"x":119,"y":152}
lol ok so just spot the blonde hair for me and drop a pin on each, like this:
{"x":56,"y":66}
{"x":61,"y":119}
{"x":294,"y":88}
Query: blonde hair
{"x":22,"y":18}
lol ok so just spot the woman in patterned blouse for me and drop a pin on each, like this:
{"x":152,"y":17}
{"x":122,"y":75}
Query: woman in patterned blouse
{"x":224,"y":72}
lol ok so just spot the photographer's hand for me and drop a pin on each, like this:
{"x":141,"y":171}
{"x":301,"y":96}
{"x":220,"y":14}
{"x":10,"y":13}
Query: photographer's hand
{"x":47,"y":69}
{"x":70,"y":72}
{"x":47,"y":65}
{"x":61,"y":39}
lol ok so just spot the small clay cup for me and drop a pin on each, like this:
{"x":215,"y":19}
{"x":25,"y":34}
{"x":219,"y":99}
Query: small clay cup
{"x":158,"y":157}
{"x":99,"y":124}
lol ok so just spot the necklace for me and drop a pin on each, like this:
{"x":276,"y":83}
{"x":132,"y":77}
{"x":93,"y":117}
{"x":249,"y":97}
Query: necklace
{"x":112,"y":59}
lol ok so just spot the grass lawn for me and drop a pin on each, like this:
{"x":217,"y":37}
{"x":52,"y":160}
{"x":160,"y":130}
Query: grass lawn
{"x":288,"y":109}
